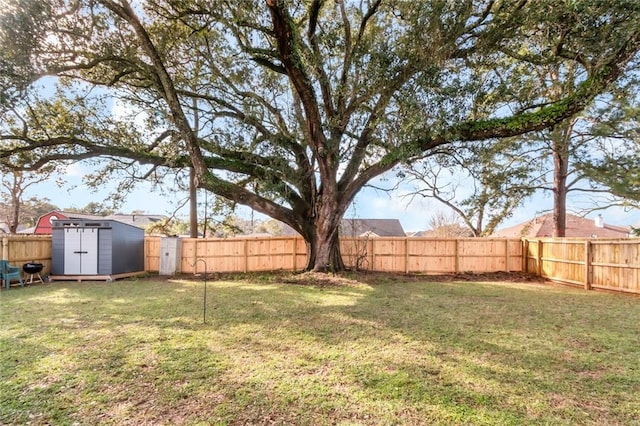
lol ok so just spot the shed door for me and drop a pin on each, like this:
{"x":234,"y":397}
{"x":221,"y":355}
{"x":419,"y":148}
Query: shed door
{"x":80,"y":251}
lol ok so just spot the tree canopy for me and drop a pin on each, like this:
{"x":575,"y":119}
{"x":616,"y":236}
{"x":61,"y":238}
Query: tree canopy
{"x":290,"y":107}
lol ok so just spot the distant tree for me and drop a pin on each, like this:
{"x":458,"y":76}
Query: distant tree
{"x":13,"y":185}
{"x":300,"y":103}
{"x":33,"y":208}
{"x":168,"y":227}
{"x":93,"y":208}
{"x":595,"y":151}
{"x":269,"y":226}
{"x":483,"y":183}
{"x":448,"y":225}
{"x":614,"y":163}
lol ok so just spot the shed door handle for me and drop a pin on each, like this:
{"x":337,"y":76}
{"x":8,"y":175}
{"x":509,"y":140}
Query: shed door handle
{"x":81,"y":252}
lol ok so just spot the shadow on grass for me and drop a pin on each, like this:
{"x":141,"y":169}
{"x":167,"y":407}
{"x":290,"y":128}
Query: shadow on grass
{"x":368,"y":352}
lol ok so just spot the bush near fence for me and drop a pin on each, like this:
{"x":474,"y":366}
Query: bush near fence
{"x":589,"y":263}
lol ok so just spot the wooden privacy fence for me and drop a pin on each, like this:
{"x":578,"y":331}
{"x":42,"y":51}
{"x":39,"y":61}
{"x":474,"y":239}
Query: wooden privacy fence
{"x":403,"y":255}
{"x":20,"y":249}
{"x":604,"y":264}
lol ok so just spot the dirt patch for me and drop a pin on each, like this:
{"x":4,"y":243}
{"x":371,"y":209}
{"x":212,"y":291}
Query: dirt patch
{"x":355,"y":278}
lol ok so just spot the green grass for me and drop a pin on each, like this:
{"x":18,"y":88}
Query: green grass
{"x":385,"y":351}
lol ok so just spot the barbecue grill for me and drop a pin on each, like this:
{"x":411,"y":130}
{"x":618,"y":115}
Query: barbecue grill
{"x":33,"y":268}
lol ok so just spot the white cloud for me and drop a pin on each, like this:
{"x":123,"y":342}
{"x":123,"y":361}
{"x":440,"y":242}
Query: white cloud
{"x":74,"y":170}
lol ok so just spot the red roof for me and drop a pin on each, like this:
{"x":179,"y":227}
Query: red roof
{"x":576,"y":227}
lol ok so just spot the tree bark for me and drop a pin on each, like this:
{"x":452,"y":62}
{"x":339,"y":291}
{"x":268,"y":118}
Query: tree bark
{"x":321,"y":231}
{"x":193,"y":205}
{"x":324,"y":254}
{"x":560,"y":171}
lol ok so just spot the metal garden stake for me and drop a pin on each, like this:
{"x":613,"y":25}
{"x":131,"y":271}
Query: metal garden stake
{"x":204,"y":303}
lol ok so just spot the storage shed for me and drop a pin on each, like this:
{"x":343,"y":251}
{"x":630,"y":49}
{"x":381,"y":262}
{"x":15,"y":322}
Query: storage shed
{"x":96,"y":249}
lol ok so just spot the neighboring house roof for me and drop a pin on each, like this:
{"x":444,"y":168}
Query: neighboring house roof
{"x":44,"y":226}
{"x":4,"y":229}
{"x":446,"y":231}
{"x":371,"y":227}
{"x":139,"y":220}
{"x":426,"y":233}
{"x":364,"y":228}
{"x":576,"y":227}
{"x":72,"y":215}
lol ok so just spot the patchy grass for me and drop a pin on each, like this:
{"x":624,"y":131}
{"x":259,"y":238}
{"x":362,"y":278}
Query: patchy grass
{"x":356,"y":350}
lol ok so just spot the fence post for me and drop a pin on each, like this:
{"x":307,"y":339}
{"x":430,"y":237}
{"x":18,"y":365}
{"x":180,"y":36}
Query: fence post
{"x":5,"y":248}
{"x":539,"y":258}
{"x":456,"y":254}
{"x":195,"y":256}
{"x":246,"y":255}
{"x":506,"y":255}
{"x":406,"y":255}
{"x":587,"y":265}
{"x":295,"y":256}
{"x":525,"y":255}
{"x":373,"y":254}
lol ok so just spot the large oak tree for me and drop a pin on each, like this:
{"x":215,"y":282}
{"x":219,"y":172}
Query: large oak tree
{"x":291,"y":107}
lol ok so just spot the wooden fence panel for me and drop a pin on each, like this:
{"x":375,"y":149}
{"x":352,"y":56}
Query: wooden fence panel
{"x":564,"y":260}
{"x":242,"y":254}
{"x":152,"y":253}
{"x":356,"y":253}
{"x":271,"y":254}
{"x":605,"y":264}
{"x":402,"y":255}
{"x":388,"y":254}
{"x":616,"y":265}
{"x":20,"y":249}
{"x":489,"y":255}
{"x":432,"y":256}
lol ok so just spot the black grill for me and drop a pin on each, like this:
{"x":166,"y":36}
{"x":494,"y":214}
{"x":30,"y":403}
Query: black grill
{"x":32,"y":268}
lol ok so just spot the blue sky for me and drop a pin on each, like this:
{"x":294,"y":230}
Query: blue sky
{"x":369,"y":203}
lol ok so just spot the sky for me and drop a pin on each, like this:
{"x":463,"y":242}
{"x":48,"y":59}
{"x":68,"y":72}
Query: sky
{"x":369,"y":203}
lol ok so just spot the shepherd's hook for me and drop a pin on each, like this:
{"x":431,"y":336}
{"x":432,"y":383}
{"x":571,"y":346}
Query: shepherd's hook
{"x":204,"y":303}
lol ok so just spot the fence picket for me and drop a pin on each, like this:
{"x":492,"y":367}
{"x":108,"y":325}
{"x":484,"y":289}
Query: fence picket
{"x":604,"y":264}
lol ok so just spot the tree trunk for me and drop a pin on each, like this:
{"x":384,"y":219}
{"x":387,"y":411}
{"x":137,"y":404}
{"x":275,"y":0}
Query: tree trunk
{"x":324,"y":255}
{"x":322,"y":234}
{"x":193,"y":206}
{"x":16,"y":202}
{"x":559,"y":206}
{"x":560,"y":171}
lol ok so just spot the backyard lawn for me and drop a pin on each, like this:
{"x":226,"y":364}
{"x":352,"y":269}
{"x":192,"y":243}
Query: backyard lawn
{"x":375,"y":350}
